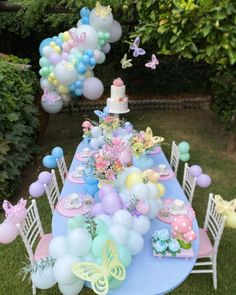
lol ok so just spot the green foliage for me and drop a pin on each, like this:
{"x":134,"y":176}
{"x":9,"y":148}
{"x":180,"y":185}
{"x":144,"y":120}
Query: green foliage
{"x":18,"y":116}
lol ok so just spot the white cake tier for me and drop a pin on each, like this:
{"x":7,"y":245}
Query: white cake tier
{"x":117,"y":92}
{"x":118,"y":107}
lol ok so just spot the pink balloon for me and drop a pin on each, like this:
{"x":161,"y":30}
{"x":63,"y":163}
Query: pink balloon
{"x":13,"y":218}
{"x":36,"y":189}
{"x":97,"y":209}
{"x":111,"y":203}
{"x":126,"y":156}
{"x":45,"y":177}
{"x":104,"y":190}
{"x":8,"y":232}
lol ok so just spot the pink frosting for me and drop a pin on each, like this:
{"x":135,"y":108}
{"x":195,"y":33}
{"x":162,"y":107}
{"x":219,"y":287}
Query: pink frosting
{"x":118,"y":82}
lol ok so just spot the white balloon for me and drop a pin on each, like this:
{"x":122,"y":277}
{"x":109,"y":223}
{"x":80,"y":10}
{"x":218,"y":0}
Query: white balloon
{"x":66,"y":98}
{"x":52,"y":108}
{"x":65,"y":73}
{"x":88,"y":257}
{"x":58,"y":247}
{"x":45,"y":84}
{"x":101,"y":140}
{"x":94,"y":142}
{"x":141,"y":224}
{"x":96,"y":131}
{"x":140,"y":191}
{"x":74,"y":51}
{"x":62,"y":269}
{"x":106,"y":218}
{"x":47,"y":50}
{"x":153,"y":190}
{"x":125,"y":195}
{"x":100,"y":23}
{"x":91,"y":39}
{"x":79,"y":241}
{"x":44,"y":279}
{"x":119,"y":233}
{"x":123,"y":217}
{"x":73,"y":288}
{"x":135,"y":242}
{"x":115,"y":31}
{"x":155,"y":206}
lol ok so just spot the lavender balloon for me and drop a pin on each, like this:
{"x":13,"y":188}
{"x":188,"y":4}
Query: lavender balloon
{"x":111,"y":203}
{"x":54,"y":58}
{"x":204,"y":180}
{"x":45,"y":177}
{"x":97,"y":209}
{"x":104,"y":190}
{"x":195,"y":170}
{"x":93,"y":88}
{"x":106,"y":48}
{"x":36,"y":189}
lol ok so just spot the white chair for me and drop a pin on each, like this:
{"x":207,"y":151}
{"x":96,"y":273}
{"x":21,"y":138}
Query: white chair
{"x":52,"y":191}
{"x":32,"y":234}
{"x":213,"y":225}
{"x":189,"y":183}
{"x":61,"y":164}
{"x":174,"y":158}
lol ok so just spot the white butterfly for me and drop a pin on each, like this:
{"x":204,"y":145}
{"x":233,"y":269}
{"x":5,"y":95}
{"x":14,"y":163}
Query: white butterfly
{"x":125,"y":63}
{"x":152,"y":63}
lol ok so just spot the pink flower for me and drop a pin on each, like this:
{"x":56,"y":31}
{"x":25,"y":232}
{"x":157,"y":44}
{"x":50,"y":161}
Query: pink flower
{"x":118,"y":82}
{"x":108,"y":119}
{"x":87,"y":124}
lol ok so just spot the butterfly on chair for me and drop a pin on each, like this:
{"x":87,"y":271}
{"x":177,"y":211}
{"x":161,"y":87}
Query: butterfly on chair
{"x":102,"y":114}
{"x":126,"y":63}
{"x":99,"y":275}
{"x":152,"y":63}
{"x":135,"y":47}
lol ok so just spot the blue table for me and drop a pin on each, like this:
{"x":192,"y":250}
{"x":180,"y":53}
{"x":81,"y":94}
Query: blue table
{"x":147,"y":275}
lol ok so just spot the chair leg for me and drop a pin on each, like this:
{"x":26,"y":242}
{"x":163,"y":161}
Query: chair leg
{"x":214,"y":275}
{"x":34,"y":289}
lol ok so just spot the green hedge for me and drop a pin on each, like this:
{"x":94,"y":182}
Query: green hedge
{"x":18,"y":122}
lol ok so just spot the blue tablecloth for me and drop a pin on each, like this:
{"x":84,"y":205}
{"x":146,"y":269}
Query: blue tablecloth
{"x":147,"y":275}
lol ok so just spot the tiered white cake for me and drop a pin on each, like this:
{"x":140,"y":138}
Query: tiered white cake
{"x":118,"y":102}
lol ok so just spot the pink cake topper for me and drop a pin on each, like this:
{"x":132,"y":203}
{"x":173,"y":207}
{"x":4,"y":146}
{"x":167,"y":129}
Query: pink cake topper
{"x":118,"y":82}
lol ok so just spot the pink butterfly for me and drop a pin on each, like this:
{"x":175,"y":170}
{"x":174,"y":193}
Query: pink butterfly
{"x":135,"y":46}
{"x":78,"y":39}
{"x":17,"y":209}
{"x":152,"y":63}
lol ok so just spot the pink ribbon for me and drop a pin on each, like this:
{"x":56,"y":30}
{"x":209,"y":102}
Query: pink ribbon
{"x":17,"y":210}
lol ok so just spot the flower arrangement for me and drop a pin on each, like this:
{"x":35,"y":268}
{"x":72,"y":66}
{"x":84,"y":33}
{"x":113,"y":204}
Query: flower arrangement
{"x":143,"y":141}
{"x":109,"y":123}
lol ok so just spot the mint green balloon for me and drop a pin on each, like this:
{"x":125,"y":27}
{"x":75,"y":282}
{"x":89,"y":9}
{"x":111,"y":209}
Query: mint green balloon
{"x":78,"y":57}
{"x":99,"y":261}
{"x":101,"y":226}
{"x":100,"y":35}
{"x":184,"y":157}
{"x":107,"y":35}
{"x":98,"y":244}
{"x":41,"y":73}
{"x":184,"y":147}
{"x":51,"y":69}
{"x":124,"y":256}
{"x":114,"y":283}
{"x":44,"y":62}
{"x":101,"y":58}
{"x":76,"y":222}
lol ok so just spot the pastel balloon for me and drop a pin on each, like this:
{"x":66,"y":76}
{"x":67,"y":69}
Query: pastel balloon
{"x":115,"y":31}
{"x":111,"y":203}
{"x":8,"y":232}
{"x":91,"y":189}
{"x":45,"y":177}
{"x":184,"y":157}
{"x":161,"y":189}
{"x":75,"y":222}
{"x":123,"y":217}
{"x":44,"y":43}
{"x":54,"y":58}
{"x":106,"y":218}
{"x":88,"y":257}
{"x":184,"y":147}
{"x":49,"y":162}
{"x":140,"y":191}
{"x":195,"y":170}
{"x":97,"y":209}
{"x":155,"y":206}
{"x":135,"y":242}
{"x":57,"y":152}
{"x":91,"y":39}
{"x":93,"y":88}
{"x":98,"y":243}
{"x":101,"y":58}
{"x":96,"y":131}
{"x":44,"y":278}
{"x":58,"y":247}
{"x":119,"y":233}
{"x":65,"y":73}
{"x":125,"y":195}
{"x":114,"y":284}
{"x":73,"y":288}
{"x":36,"y":189}
{"x":101,"y":226}
{"x":124,"y":256}
{"x":52,"y":108}
{"x":102,"y":24}
{"x":45,"y":84}
{"x":95,"y":143}
{"x":62,"y":269}
{"x":106,"y":48}
{"x":231,"y":221}
{"x":204,"y":180}
{"x":105,"y":189}
{"x":141,"y":224}
{"x":79,"y":241}
{"x":133,"y":179}
{"x":153,"y":190}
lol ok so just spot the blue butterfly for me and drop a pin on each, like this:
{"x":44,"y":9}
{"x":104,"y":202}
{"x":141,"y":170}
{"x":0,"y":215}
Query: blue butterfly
{"x":102,"y":114}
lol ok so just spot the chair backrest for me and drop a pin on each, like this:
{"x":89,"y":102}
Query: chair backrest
{"x":189,"y":183}
{"x":31,"y":229}
{"x":52,"y":191}
{"x":174,"y":158}
{"x":61,"y":164}
{"x":214,"y":222}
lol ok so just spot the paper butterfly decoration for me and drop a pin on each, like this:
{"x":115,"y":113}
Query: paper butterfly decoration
{"x":50,"y":97}
{"x":102,"y":115}
{"x":152,"y":140}
{"x":17,"y":210}
{"x":102,"y":11}
{"x":125,"y":63}
{"x":225,"y":207}
{"x":135,"y":46}
{"x":152,"y":63}
{"x":99,"y":275}
{"x":78,"y":39}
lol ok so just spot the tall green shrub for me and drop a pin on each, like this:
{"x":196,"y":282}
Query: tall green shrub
{"x":18,"y":123}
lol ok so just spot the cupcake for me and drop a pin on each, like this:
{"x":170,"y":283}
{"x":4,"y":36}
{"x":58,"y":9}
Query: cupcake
{"x":160,"y":246}
{"x":163,"y":234}
{"x":174,"y":245}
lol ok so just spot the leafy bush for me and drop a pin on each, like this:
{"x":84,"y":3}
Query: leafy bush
{"x":18,"y":117}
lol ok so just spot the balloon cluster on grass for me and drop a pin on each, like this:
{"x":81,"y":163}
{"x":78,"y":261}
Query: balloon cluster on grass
{"x":50,"y":161}
{"x":67,"y":60}
{"x":184,"y":148}
{"x":203,"y":179}
{"x":14,"y":214}
{"x":36,"y":189}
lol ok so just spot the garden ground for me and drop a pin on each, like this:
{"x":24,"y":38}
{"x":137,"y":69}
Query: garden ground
{"x":208,"y":143}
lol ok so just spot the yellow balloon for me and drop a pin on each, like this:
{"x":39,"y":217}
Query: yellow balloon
{"x":231,"y":221}
{"x":57,"y":49}
{"x":161,"y":189}
{"x":88,"y":74}
{"x":55,"y":82}
{"x":66,"y":36}
{"x":133,"y":178}
{"x":52,"y":76}
{"x":62,"y":89}
{"x":52,"y":44}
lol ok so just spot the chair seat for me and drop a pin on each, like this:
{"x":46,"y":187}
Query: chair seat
{"x":42,"y":247}
{"x":205,"y":246}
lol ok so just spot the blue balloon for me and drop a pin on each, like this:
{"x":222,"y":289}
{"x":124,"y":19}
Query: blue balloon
{"x":89,"y":179}
{"x":85,"y":20}
{"x":78,"y":84}
{"x":92,"y":61}
{"x":49,"y":162}
{"x":57,"y":152}
{"x":85,"y":59}
{"x":44,"y":43}
{"x":89,"y":52}
{"x":72,"y":87}
{"x":91,"y":189}
{"x":81,"y":68}
{"x":85,"y":12}
{"x":78,"y":92}
{"x":57,"y":41}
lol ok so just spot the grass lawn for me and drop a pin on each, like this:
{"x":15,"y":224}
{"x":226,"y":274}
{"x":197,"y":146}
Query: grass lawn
{"x":208,"y":144}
